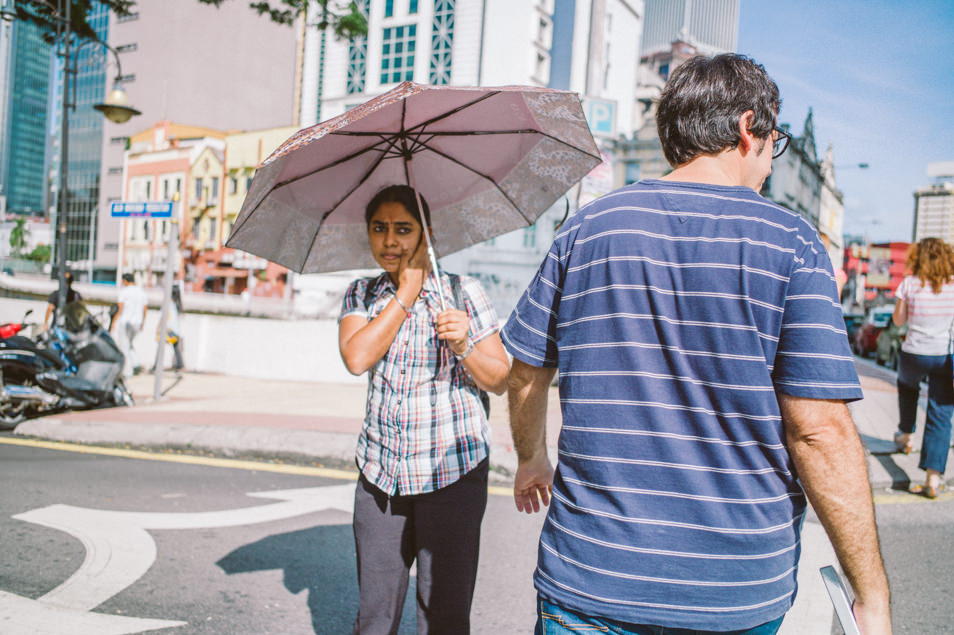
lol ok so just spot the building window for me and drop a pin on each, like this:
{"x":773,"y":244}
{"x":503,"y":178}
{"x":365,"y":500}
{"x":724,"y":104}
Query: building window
{"x":389,"y":8}
{"x":397,"y":54}
{"x":119,"y":140}
{"x":114,"y":171}
{"x":442,"y":41}
{"x":127,"y":18}
{"x":540,"y":68}
{"x":248,"y":183}
{"x":198,"y":189}
{"x":211,"y":230}
{"x":127,"y":48}
{"x":215,"y":188}
{"x":233,"y":185}
{"x":530,"y":236}
{"x":126,"y":79}
{"x":358,"y":56}
{"x":412,"y":7}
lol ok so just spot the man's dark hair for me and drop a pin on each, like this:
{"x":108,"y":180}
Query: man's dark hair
{"x":403,"y":194}
{"x":701,"y":104}
{"x":128,"y":277}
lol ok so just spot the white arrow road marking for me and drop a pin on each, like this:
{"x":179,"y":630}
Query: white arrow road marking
{"x":19,"y":615}
{"x":119,"y":550}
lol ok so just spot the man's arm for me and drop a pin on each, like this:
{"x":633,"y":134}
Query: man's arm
{"x":527,"y":390}
{"x":831,"y":466}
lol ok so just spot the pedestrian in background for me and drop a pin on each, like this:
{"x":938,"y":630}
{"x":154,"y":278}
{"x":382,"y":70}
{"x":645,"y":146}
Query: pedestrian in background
{"x":130,"y":317}
{"x":53,"y":300}
{"x":925,"y":302}
{"x":703,"y":378}
{"x":423,"y":449}
{"x":173,"y":328}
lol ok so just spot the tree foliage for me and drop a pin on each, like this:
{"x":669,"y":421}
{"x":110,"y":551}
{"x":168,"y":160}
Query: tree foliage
{"x":40,"y":253}
{"x":46,"y":13}
{"x":18,"y":237}
{"x":344,"y":19}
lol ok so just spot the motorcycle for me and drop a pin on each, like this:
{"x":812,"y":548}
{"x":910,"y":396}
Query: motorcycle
{"x":76,"y":366}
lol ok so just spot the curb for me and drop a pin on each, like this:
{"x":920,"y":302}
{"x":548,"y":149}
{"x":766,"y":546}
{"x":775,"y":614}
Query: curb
{"x":330,"y":449}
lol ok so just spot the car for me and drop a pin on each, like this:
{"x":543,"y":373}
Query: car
{"x":852,"y":322}
{"x":865,"y":341}
{"x":888,"y":345}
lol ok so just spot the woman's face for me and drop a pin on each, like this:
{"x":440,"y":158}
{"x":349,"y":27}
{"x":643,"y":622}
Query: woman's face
{"x":392,"y":232}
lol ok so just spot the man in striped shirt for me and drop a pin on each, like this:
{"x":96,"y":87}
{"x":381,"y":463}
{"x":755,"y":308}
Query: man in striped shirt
{"x":704,"y":371}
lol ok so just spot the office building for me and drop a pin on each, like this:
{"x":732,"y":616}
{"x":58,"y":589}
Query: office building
{"x":934,"y":204}
{"x":710,"y":26}
{"x":224,"y":69}
{"x":25,"y":60}
{"x":587,"y":46}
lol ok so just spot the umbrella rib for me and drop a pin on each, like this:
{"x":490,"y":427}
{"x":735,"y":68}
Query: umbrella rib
{"x":526,"y":131}
{"x":454,"y":111}
{"x":484,"y":176}
{"x":350,"y":191}
{"x":479,"y":133}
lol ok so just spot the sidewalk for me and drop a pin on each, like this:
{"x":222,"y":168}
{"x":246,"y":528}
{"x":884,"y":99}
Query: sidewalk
{"x":319,"y":422}
{"x":243,"y":417}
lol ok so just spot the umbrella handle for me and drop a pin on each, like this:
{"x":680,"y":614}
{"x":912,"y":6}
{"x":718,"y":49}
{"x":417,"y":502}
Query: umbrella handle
{"x":427,"y":233}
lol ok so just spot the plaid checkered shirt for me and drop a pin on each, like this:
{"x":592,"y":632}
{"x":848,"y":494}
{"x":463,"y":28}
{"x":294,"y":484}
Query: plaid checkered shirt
{"x":424,"y":425}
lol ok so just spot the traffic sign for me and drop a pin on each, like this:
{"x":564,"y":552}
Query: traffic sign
{"x":141,"y":209}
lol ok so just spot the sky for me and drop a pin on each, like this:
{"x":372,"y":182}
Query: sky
{"x":879,"y":78}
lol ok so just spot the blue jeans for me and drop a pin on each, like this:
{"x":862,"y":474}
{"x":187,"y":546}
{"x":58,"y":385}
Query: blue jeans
{"x":553,"y":619}
{"x":912,"y":369}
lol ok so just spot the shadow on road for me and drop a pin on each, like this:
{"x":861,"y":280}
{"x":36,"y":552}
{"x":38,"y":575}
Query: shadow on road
{"x":320,"y":560}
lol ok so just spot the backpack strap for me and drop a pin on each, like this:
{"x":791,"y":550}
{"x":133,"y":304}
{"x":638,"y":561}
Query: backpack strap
{"x":370,"y":290}
{"x":457,"y":291}
{"x":459,"y":303}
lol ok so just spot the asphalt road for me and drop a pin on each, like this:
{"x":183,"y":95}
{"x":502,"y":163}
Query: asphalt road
{"x":201,"y":548}
{"x":223,"y":561}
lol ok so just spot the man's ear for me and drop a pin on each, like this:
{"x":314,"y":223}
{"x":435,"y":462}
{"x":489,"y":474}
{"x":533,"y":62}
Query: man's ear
{"x":747,"y":139}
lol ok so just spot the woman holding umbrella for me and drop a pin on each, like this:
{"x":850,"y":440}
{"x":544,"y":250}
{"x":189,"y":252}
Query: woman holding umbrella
{"x":423,"y":449}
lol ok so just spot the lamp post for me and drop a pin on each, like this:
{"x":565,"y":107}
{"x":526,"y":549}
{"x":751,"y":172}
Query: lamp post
{"x":116,"y":108}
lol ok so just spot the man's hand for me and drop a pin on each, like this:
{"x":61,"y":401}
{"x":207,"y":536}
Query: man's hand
{"x":527,"y":390}
{"x":533,"y":484}
{"x":830,"y":463}
{"x":872,"y":620}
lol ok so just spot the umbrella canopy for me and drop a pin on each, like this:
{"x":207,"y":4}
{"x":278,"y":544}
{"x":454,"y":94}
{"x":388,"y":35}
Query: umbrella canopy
{"x":487,"y":160}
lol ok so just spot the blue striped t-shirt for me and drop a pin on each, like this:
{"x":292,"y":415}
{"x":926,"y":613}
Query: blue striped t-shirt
{"x":674,"y":312}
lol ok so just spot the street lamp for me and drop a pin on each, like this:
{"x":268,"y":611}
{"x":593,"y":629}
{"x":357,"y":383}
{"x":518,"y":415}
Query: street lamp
{"x":116,"y":108}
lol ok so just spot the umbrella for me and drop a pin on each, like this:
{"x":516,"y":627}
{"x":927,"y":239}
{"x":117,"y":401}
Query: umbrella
{"x":487,"y":160}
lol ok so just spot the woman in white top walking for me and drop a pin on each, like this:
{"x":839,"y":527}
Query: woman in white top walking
{"x":925,"y":301}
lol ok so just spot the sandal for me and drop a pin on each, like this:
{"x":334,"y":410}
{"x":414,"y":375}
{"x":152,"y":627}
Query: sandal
{"x":902,"y":447}
{"x":925,"y":490}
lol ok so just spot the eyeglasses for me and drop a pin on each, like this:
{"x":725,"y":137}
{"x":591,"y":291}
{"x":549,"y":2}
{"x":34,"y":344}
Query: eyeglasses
{"x":780,"y":145}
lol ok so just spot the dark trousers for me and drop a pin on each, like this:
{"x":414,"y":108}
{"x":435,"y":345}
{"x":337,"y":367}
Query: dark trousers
{"x":912,"y":369}
{"x":441,"y":530}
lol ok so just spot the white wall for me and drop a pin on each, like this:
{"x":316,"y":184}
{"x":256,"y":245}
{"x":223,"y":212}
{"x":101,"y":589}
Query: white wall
{"x":295,"y":350}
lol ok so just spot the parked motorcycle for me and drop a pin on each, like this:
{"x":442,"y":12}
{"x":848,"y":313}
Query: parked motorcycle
{"x":76,"y":366}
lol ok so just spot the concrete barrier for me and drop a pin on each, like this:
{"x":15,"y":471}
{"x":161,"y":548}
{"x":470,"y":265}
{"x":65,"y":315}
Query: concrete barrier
{"x":299,"y":350}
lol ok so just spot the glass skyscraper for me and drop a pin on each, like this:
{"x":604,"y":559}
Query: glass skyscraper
{"x":25,"y":138}
{"x":85,"y":138}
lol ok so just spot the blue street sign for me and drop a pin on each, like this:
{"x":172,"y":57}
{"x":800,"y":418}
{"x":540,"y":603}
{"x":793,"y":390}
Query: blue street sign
{"x":142,"y":209}
{"x":601,"y":115}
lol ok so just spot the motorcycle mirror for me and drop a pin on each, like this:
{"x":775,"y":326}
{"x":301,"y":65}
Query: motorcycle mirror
{"x":27,"y":314}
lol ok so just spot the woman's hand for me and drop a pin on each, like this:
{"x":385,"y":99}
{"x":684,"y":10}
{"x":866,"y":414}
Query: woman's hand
{"x":412,"y":271}
{"x":452,"y":327}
